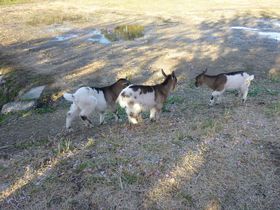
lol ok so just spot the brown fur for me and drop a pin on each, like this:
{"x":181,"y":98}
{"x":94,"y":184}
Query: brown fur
{"x":215,"y":82}
{"x":162,"y":90}
{"x":112,"y":92}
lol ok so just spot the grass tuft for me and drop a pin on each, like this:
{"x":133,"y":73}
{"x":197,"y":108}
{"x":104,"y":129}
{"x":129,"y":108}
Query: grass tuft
{"x":54,"y":17}
{"x":64,"y":146}
{"x":125,"y":32}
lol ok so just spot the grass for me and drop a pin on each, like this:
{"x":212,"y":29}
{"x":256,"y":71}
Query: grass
{"x":3,"y":118}
{"x":18,"y":80}
{"x":84,"y":165}
{"x":125,"y":32}
{"x":273,"y":109}
{"x":64,"y":146}
{"x":55,"y":17}
{"x":257,"y":90}
{"x":90,"y":143}
{"x":131,"y":178}
{"x":210,"y":127}
{"x":190,"y":156}
{"x":44,"y":110}
{"x":31,"y":144}
{"x":11,"y":2}
{"x":170,"y":101}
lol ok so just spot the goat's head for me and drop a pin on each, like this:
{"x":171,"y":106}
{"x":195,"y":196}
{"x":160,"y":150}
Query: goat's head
{"x":199,"y":80}
{"x":170,"y":78}
{"x":122,"y":83}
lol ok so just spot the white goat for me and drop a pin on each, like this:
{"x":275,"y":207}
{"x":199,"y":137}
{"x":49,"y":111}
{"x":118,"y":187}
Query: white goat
{"x":138,"y":98}
{"x":89,"y":99}
{"x":239,"y":80}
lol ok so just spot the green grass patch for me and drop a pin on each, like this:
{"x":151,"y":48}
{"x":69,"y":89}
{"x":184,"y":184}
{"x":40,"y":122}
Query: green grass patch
{"x":131,"y":178}
{"x":31,"y":144}
{"x":44,"y":110}
{"x":273,"y":109}
{"x":210,"y":126}
{"x":125,"y":32}
{"x":84,"y":165}
{"x":121,"y":113}
{"x":3,"y":118}
{"x":9,"y":2}
{"x":171,"y":100}
{"x":64,"y":146}
{"x":256,"y":90}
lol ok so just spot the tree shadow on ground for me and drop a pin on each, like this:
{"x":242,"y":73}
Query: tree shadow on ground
{"x":196,"y":158}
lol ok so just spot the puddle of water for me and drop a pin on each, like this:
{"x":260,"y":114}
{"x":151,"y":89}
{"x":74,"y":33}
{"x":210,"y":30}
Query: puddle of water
{"x":97,"y":36}
{"x":65,"y":37}
{"x":244,"y":28}
{"x":58,"y":28}
{"x":276,"y":24}
{"x":125,"y":32}
{"x":268,"y":34}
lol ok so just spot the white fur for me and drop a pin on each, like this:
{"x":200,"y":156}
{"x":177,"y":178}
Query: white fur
{"x":240,"y":82}
{"x":85,"y":101}
{"x":134,"y":103}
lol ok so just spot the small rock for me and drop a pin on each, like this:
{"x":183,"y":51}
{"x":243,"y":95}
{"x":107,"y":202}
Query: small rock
{"x":18,"y":106}
{"x":34,"y":93}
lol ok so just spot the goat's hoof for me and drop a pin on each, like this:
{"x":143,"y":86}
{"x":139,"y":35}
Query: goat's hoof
{"x":69,"y":130}
{"x":152,"y":120}
{"x":101,"y":123}
{"x":89,"y":125}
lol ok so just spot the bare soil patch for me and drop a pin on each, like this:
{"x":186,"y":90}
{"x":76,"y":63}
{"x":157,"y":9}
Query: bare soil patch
{"x":196,"y":157}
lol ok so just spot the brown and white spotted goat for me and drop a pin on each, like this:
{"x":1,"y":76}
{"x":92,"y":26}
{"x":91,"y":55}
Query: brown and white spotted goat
{"x":138,"y":98}
{"x":88,"y":99}
{"x":238,"y":80}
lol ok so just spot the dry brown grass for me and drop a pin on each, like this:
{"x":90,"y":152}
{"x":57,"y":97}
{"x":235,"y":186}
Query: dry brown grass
{"x":196,"y":157}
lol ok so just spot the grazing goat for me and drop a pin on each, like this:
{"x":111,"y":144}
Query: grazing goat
{"x":88,"y":99}
{"x":138,"y":98}
{"x":238,"y":80}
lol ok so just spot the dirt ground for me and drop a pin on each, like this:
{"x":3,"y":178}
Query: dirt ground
{"x":195,"y":157}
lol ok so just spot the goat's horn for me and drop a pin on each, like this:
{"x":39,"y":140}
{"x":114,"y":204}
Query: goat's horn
{"x":163,"y":73}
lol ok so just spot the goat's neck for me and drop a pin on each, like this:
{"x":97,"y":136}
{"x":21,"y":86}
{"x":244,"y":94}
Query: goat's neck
{"x":116,"y":90}
{"x":209,"y":80}
{"x":166,"y":86}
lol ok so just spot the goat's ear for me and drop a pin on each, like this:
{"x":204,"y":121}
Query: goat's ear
{"x":204,"y":71}
{"x":163,"y":73}
{"x":173,"y":74}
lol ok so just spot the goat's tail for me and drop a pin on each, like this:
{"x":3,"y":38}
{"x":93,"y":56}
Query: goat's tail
{"x":249,"y":78}
{"x":69,"y":97}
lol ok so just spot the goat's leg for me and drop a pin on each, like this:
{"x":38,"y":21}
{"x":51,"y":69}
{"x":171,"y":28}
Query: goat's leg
{"x":84,"y":116}
{"x":101,"y":118}
{"x":116,"y":114}
{"x":244,"y":92}
{"x":132,"y":117}
{"x":153,"y":112}
{"x":215,"y":95}
{"x":71,"y":115}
